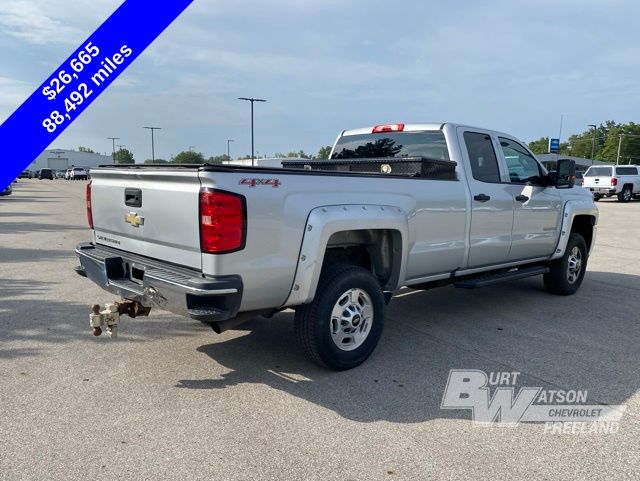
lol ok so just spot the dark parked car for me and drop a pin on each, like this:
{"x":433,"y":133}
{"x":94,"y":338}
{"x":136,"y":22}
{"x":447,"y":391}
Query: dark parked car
{"x":7,"y":191}
{"x":45,"y":174}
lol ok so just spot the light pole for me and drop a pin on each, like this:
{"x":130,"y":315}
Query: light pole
{"x":153,"y":153}
{"x":113,"y":153}
{"x":619,"y":145}
{"x":228,"y":151}
{"x":252,"y":100}
{"x":593,"y":142}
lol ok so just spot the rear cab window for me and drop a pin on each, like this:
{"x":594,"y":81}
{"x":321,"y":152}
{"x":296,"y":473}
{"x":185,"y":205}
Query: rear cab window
{"x":626,"y":171}
{"x":598,"y":172}
{"x":429,"y":144}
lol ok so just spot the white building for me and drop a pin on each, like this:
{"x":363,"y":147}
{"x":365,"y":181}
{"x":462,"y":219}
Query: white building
{"x":62,"y":159}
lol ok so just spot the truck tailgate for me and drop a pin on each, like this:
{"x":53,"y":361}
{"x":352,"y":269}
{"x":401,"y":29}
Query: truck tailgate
{"x":149,"y":212}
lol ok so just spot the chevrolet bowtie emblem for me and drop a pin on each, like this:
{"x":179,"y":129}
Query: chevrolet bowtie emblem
{"x":134,"y":219}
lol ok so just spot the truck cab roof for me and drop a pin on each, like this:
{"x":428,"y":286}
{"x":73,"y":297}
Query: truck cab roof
{"x":417,"y":127}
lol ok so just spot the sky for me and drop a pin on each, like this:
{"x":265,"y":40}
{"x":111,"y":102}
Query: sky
{"x":328,"y":65}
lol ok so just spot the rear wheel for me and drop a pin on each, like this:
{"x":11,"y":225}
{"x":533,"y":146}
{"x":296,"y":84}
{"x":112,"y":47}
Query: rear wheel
{"x":597,"y":197}
{"x":566,"y":274}
{"x":341,"y":327}
{"x":626,"y":195}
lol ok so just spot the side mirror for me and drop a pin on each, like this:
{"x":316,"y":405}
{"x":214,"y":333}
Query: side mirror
{"x":565,"y":175}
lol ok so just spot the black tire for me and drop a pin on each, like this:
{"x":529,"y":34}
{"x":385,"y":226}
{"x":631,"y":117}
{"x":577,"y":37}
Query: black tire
{"x":597,"y":197}
{"x":557,"y":281}
{"x":313,"y":322}
{"x":626,"y":194}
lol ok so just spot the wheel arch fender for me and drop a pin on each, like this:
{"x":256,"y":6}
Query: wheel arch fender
{"x":324,"y":222}
{"x":573,"y":211}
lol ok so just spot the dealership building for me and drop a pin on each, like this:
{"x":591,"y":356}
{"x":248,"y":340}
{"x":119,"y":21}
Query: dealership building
{"x":62,"y":159}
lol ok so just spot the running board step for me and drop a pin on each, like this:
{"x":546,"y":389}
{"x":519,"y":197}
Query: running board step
{"x":496,"y":278}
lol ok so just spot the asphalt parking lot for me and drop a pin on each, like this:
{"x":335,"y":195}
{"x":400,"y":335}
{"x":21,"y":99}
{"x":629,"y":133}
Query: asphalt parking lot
{"x":169,"y":399}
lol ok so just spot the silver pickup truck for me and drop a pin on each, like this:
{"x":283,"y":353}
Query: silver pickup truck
{"x":418,"y":205}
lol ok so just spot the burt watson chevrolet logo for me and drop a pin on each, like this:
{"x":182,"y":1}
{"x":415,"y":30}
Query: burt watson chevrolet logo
{"x":471,"y":389}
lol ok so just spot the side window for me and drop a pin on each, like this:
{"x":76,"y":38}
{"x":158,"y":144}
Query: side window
{"x":626,"y":171}
{"x":523,"y":168}
{"x":484,"y":164}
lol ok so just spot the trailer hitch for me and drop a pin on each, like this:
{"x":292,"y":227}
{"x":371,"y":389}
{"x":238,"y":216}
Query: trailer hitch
{"x":110,"y":315}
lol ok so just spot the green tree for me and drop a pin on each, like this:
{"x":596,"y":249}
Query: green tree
{"x":86,"y":149}
{"x":124,"y":156}
{"x":605,"y":145}
{"x":629,"y":144}
{"x":189,"y":157}
{"x":540,"y":146}
{"x":218,"y":159}
{"x":300,"y":153}
{"x":581,"y":144}
{"x":324,"y":152}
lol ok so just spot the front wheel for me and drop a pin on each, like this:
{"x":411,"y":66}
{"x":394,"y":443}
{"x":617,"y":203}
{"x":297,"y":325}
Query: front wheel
{"x":341,"y":327}
{"x":566,"y":274}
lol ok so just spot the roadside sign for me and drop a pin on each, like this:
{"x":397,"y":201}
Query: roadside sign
{"x":554,"y":146}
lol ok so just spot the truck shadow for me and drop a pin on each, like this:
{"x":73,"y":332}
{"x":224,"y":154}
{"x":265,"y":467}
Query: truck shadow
{"x":32,"y":320}
{"x":587,"y":341}
{"x":27,"y":227}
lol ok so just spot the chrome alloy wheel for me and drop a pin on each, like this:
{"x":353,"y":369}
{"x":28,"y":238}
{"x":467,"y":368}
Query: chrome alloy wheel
{"x":574,"y":265}
{"x":351,"y":319}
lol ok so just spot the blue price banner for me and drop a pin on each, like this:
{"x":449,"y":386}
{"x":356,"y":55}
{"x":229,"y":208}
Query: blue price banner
{"x":80,"y":80}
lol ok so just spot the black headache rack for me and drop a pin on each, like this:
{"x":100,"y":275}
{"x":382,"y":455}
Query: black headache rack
{"x":423,"y":167}
{"x":400,"y":167}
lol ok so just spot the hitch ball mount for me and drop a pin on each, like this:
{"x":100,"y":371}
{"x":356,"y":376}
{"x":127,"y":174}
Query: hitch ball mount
{"x":110,"y":315}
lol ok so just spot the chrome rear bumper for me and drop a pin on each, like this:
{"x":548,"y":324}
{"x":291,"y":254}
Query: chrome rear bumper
{"x":160,"y":284}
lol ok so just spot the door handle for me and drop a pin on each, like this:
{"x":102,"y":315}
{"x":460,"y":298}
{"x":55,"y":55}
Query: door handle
{"x":522,"y":198}
{"x":481,"y":197}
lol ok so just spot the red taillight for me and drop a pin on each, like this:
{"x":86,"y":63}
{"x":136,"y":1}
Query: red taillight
{"x":614,"y":181}
{"x":89,"y":212}
{"x":388,"y":128}
{"x":222,"y":221}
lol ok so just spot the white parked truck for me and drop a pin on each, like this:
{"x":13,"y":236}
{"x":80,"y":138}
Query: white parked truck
{"x":418,"y":205}
{"x":622,"y":181}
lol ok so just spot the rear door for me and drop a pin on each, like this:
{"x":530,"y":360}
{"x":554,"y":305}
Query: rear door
{"x":536,"y":217}
{"x":492,"y":202}
{"x":628,"y":175}
{"x":149,"y":212}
